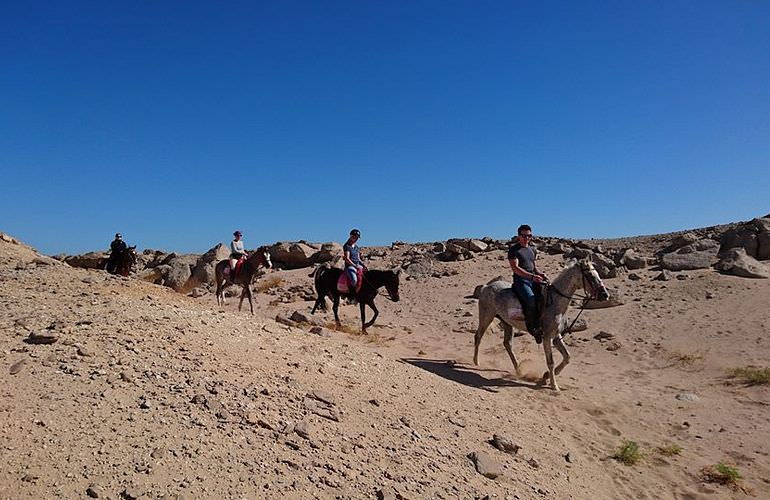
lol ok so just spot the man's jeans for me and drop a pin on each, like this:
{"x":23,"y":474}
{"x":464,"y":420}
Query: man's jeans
{"x":525,"y":291}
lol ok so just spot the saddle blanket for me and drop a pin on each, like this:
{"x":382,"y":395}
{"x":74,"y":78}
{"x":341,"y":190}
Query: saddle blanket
{"x":238,"y":266}
{"x":343,"y":284}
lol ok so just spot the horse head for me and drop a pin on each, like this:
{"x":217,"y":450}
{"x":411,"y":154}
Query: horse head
{"x":131,"y":252}
{"x":262,"y":257}
{"x":391,"y":284}
{"x":592,"y":283}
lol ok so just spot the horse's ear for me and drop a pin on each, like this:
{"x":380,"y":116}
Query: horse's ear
{"x":570,"y":262}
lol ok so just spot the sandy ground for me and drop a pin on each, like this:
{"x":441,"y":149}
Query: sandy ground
{"x":151,"y":394}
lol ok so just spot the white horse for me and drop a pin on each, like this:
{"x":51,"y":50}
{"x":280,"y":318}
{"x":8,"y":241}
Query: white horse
{"x":497,"y":300}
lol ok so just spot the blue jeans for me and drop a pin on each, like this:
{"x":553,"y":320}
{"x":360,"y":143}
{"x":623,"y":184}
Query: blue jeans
{"x":525,"y":291}
{"x":352,"y":273}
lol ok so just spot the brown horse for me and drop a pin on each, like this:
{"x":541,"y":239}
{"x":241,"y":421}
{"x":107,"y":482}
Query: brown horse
{"x":258,"y":258}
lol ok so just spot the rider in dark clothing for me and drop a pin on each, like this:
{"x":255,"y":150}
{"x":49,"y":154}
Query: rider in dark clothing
{"x":521,"y":257}
{"x":117,"y":247}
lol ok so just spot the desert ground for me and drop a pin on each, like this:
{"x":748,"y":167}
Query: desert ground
{"x":113,"y":387}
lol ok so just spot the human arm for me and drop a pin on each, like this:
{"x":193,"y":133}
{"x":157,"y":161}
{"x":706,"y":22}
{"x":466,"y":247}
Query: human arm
{"x":534,"y":276}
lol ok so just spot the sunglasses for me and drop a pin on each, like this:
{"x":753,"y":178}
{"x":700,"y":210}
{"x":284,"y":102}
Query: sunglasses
{"x":526,"y":236}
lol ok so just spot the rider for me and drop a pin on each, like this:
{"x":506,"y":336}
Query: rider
{"x":353,"y":262}
{"x":521,"y":257}
{"x":117,"y":247}
{"x":237,"y":251}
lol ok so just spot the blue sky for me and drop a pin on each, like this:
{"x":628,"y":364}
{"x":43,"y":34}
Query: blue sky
{"x":176,"y":123}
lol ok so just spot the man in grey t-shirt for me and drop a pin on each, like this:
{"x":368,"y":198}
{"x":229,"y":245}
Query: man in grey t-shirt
{"x":522,"y":257}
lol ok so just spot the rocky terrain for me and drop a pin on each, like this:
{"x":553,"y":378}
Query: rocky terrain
{"x":124,"y":388}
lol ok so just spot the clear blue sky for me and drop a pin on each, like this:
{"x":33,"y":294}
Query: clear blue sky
{"x":178,"y":122}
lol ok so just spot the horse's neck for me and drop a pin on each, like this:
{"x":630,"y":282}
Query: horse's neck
{"x":567,"y":283}
{"x":375,"y":279}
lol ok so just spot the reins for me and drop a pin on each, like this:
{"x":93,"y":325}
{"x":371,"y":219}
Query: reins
{"x":377,"y":289}
{"x":585,"y":299}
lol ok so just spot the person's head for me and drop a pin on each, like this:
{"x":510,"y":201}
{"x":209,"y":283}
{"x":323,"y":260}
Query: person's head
{"x":354,"y":235}
{"x":237,"y":235}
{"x":118,"y":236}
{"x":524,"y":234}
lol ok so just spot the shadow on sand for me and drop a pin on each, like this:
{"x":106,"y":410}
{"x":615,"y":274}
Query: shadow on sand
{"x":468,"y":375}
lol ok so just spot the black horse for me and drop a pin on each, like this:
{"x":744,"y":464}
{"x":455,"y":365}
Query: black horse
{"x":326,"y":284}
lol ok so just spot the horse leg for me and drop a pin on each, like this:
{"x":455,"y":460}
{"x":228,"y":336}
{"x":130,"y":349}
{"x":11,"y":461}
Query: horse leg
{"x":484,"y":320}
{"x":335,"y":308}
{"x":376,"y":313}
{"x":548,"y":348}
{"x":240,"y":302}
{"x":363,"y":317}
{"x":507,"y":343}
{"x":559,"y":343}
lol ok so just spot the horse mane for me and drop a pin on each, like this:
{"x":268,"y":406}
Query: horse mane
{"x":559,"y":280}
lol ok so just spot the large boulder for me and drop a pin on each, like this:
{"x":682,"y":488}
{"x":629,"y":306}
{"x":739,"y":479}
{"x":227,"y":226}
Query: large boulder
{"x":698,"y":255}
{"x":604,"y":265}
{"x":155,"y":274}
{"x":743,"y":236}
{"x":738,"y":263}
{"x":616,"y":299}
{"x":468,"y":244}
{"x":329,"y":252}
{"x":90,"y":260}
{"x":763,"y":245}
{"x":203,"y":272}
{"x":633,"y":260}
{"x":180,"y":271}
{"x":291,"y":255}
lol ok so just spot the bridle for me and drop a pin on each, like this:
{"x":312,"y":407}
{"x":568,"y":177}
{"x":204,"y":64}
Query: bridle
{"x":585,"y":298}
{"x":386,"y":295}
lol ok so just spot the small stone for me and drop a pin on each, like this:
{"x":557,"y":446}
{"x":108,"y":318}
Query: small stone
{"x":95,"y":491}
{"x":17,"y":366}
{"x":709,"y":295}
{"x":504,"y":444}
{"x":602,"y":335}
{"x":44,"y":337}
{"x":126,"y":377}
{"x":302,"y":429}
{"x":158,"y":453}
{"x":614,"y":346}
{"x":533,"y":463}
{"x":687,"y":396}
{"x":386,"y":493}
{"x":569,"y":458}
{"x":132,"y":493}
{"x":84,"y":351}
{"x":485,"y":464}
{"x":374,"y":402}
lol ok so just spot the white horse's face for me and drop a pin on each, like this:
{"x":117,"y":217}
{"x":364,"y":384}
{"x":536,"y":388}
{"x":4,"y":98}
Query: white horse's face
{"x":592,"y":282}
{"x":268,"y":262}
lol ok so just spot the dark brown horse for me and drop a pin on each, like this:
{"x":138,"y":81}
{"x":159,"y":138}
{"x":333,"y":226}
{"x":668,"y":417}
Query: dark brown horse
{"x":325,"y":279}
{"x":126,"y":261}
{"x":258,"y":258}
{"x":123,"y":262}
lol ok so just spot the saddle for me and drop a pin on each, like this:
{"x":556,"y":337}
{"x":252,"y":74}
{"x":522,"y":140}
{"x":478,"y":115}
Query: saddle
{"x":237,"y":270}
{"x":541,"y":295}
{"x":343,"y":283}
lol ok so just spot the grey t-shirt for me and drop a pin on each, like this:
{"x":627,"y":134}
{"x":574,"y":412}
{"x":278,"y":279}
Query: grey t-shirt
{"x":525,"y":255}
{"x":354,"y":252}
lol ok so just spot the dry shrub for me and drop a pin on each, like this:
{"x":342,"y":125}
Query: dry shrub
{"x":670,"y":450}
{"x":628,"y":453}
{"x":268,"y":283}
{"x":722,"y":473}
{"x":684,"y":359}
{"x":751,"y":375}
